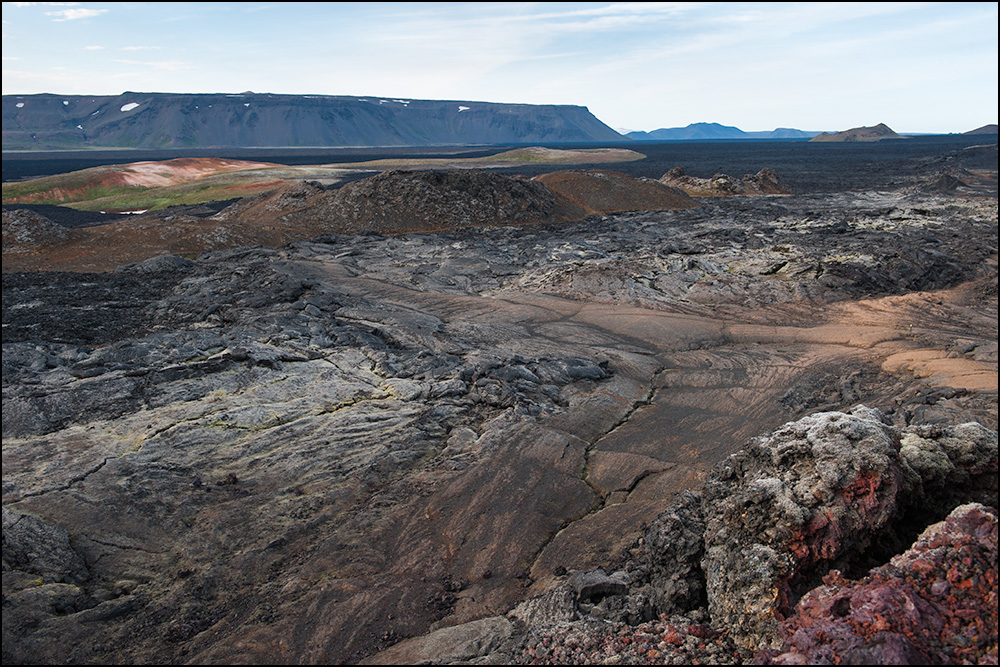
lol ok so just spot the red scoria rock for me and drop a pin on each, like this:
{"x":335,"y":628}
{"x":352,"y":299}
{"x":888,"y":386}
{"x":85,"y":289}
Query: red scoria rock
{"x":934,"y":604}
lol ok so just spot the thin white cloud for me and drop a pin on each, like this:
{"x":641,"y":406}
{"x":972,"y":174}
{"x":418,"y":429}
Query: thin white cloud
{"x":572,"y":16}
{"x":265,"y":7}
{"x":32,"y":82}
{"x":164,"y":65}
{"x":75,"y":14}
{"x":93,"y":48}
{"x":536,"y":28}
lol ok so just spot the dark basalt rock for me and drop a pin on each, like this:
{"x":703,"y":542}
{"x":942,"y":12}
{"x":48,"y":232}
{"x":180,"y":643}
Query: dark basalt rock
{"x":25,"y":230}
{"x":764,"y":182}
{"x":595,"y":586}
{"x":399,"y":201}
{"x":64,"y":216}
{"x":675,"y":544}
{"x":33,"y":547}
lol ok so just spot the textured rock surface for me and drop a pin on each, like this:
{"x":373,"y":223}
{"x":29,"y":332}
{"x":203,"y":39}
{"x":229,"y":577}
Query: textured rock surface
{"x":27,"y":231}
{"x":936,"y":603}
{"x":815,"y":495}
{"x":681,"y":603}
{"x":954,"y":463}
{"x":400,"y":201}
{"x":36,"y":548}
{"x":764,"y":182}
{"x":403,"y":201}
{"x":315,"y":452}
{"x":675,"y":544}
{"x":455,"y":644}
{"x":601,"y":191}
{"x":811,"y":494}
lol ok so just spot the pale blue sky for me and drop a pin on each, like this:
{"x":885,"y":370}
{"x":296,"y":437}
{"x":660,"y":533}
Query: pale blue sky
{"x":918,"y":67}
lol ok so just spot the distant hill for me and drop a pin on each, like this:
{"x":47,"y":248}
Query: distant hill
{"x":154,"y":185}
{"x":877,"y":133}
{"x":709,"y":131}
{"x":985,"y":129}
{"x":251,"y":120}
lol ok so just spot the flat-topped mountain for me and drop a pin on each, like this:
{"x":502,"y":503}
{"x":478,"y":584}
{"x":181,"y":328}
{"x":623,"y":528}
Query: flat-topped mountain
{"x":711,"y":131}
{"x":875,"y":133}
{"x":167,"y":120}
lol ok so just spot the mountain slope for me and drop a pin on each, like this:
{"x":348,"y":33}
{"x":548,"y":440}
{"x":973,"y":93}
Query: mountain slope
{"x":985,"y":129}
{"x":166,"y":120}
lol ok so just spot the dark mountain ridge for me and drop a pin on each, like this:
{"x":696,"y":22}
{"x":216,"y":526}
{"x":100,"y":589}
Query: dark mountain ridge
{"x":168,"y":120}
{"x":710,"y":131}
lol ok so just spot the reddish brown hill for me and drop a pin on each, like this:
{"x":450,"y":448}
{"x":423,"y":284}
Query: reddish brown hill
{"x":600,"y":191}
{"x":97,"y":182}
{"x":396,"y":202}
{"x":269,"y":206}
{"x":181,"y":170}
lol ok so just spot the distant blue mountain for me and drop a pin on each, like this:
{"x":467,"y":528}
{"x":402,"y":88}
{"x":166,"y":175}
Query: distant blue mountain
{"x":709,"y":131}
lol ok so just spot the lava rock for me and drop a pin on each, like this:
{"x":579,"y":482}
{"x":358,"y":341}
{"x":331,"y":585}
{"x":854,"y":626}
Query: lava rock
{"x":787,"y":508}
{"x":33,"y":546}
{"x":934,"y":604}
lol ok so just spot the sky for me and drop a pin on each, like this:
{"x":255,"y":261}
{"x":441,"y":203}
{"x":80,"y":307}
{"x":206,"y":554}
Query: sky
{"x":915,"y":66}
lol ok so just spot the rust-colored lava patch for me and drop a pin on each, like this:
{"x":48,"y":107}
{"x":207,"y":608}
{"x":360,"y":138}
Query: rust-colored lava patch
{"x":102,"y":182}
{"x":180,"y":170}
{"x":602,"y":191}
